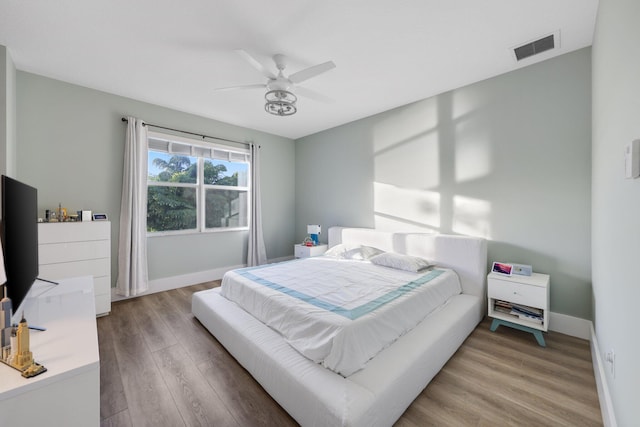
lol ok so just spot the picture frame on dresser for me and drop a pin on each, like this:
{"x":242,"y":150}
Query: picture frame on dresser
{"x":502,"y":268}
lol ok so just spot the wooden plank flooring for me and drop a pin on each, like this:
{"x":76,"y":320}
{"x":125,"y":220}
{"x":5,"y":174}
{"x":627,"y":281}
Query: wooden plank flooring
{"x":160,"y":367}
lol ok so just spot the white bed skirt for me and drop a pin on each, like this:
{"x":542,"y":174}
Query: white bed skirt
{"x":315,"y":396}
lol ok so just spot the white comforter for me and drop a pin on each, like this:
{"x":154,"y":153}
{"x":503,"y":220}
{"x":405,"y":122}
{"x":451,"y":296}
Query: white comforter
{"x":339,"y":313}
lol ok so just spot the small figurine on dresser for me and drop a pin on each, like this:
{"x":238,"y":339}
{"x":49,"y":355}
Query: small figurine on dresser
{"x":5,"y":327}
{"x":17,"y":353}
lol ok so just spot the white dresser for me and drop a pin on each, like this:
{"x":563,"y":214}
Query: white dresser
{"x":73,"y":249}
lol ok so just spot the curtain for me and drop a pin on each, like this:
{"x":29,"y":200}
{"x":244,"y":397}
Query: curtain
{"x":132,"y":251}
{"x":257,"y":254}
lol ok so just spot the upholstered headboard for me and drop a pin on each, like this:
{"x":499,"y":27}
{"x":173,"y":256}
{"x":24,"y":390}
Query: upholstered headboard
{"x":466,"y":255}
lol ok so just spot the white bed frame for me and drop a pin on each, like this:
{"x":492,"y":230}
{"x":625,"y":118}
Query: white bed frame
{"x":378,"y":394}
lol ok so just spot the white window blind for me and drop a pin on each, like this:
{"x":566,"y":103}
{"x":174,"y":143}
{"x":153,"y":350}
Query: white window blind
{"x":193,"y":148}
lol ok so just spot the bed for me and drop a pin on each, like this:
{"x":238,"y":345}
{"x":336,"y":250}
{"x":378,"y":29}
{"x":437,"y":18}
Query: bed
{"x":377,"y":393}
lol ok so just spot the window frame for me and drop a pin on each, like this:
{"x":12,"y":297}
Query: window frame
{"x":197,"y":148}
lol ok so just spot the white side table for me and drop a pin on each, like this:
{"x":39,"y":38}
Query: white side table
{"x":527,"y":293}
{"x":302,"y":251}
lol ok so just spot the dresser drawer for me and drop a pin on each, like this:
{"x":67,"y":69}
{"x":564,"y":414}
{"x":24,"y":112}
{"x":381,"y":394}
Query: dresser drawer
{"x":301,"y":251}
{"x":92,"y":267}
{"x":534,"y":296}
{"x":103,"y":304}
{"x":102,"y":285}
{"x":53,"y":253}
{"x":73,"y":231}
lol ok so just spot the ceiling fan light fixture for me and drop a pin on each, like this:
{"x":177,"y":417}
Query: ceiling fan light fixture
{"x":280,"y":102}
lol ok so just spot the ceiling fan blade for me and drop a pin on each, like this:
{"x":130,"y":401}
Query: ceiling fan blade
{"x":308,"y":93}
{"x":307,"y":73}
{"x":256,"y":64}
{"x":243,"y":87}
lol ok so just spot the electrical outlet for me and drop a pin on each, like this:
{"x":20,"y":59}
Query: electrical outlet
{"x":610,"y":357}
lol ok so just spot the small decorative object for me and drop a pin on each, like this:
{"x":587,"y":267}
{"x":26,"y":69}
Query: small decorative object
{"x":5,"y":327}
{"x":307,"y":241}
{"x":502,"y":268}
{"x":522,"y":269}
{"x":314,"y":233}
{"x":99,"y":217}
{"x":86,"y":215}
{"x":18,"y":355}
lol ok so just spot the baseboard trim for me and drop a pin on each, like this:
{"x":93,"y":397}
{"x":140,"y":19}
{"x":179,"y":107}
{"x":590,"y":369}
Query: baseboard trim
{"x":606,"y":405}
{"x":175,"y":282}
{"x":284,"y":258}
{"x":570,"y":325}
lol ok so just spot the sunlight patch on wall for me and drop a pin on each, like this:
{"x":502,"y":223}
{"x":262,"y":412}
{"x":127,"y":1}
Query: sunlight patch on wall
{"x":465,"y":103}
{"x":410,"y":164}
{"x":471,"y":217}
{"x":403,"y":209}
{"x":473,"y":152}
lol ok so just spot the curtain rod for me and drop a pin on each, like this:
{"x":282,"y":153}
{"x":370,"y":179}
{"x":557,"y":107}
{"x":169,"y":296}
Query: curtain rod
{"x":124,"y":119}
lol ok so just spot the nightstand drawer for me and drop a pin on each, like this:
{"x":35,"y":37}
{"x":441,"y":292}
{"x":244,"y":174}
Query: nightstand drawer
{"x":518,"y":293}
{"x":302,"y":251}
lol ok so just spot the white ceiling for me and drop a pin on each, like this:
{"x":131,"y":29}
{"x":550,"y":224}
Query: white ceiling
{"x":387,"y":53}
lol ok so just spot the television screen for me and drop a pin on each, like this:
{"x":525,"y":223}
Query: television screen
{"x":19,"y":238}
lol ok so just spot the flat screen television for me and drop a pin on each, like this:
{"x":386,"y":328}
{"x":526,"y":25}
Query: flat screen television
{"x":19,"y":238}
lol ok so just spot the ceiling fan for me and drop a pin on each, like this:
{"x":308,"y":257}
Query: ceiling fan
{"x":280,"y":99}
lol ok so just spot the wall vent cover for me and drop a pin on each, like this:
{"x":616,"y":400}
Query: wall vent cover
{"x":535,"y":47}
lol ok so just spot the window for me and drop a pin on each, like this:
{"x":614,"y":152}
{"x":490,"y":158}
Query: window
{"x":196,"y":186}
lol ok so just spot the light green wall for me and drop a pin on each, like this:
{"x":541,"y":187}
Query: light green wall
{"x":4,"y":59}
{"x":70,"y":147}
{"x":507,"y":158}
{"x":7,"y":113}
{"x":616,"y":200}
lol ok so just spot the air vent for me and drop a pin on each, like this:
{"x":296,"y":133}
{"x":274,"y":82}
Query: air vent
{"x":535,"y":47}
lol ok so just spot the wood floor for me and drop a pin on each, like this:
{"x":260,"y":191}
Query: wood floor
{"x":160,"y":367}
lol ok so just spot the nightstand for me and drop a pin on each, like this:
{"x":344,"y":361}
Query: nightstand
{"x":520,"y":302}
{"x":302,"y":251}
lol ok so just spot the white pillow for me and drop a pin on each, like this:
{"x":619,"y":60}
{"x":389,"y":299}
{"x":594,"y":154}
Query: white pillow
{"x":401,"y":262}
{"x":338,"y":251}
{"x":362,"y":253}
{"x":354,"y":252}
